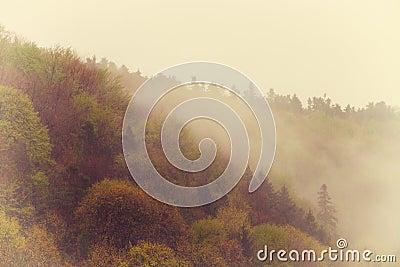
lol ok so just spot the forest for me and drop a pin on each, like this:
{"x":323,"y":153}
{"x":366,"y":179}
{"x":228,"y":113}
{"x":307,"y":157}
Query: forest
{"x":67,"y":197}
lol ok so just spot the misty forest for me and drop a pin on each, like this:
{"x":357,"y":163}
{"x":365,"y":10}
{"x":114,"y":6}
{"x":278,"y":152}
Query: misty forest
{"x":68,"y":199}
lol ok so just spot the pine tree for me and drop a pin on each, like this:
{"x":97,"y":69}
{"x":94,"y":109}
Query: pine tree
{"x":249,"y":92}
{"x":327,"y":211}
{"x":310,"y":224}
{"x":264,"y":204}
{"x":296,"y":105}
{"x":246,"y":242}
{"x":288,"y":212}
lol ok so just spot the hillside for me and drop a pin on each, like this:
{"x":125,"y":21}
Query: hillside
{"x":66,"y":197}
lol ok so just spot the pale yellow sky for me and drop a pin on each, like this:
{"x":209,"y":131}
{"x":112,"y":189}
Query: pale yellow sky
{"x":347,"y":49}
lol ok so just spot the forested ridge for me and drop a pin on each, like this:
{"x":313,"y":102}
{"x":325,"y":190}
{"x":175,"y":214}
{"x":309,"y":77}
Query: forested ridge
{"x":67,"y":199}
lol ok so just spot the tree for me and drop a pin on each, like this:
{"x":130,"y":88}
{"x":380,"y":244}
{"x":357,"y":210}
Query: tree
{"x":208,"y":230}
{"x":250,"y":92}
{"x":281,"y":237}
{"x":267,"y":234}
{"x":264,"y":204}
{"x":12,"y":242}
{"x":149,"y":254}
{"x":36,"y":249}
{"x":206,"y":255}
{"x":24,"y":154}
{"x":234,"y":221}
{"x":104,"y":255}
{"x":119,"y":214}
{"x":246,"y":243}
{"x":296,"y":105}
{"x":310,"y":224}
{"x":227,"y":234}
{"x":75,"y":101}
{"x":41,"y":248}
{"x":287,"y":210}
{"x":327,"y":211}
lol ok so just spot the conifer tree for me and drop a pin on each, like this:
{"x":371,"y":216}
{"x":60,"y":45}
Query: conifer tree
{"x":327,"y":211}
{"x":264,"y":204}
{"x":310,"y":224}
{"x":287,"y":210}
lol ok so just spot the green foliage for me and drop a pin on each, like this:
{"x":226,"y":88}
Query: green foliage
{"x":204,"y":255}
{"x":53,"y":79}
{"x":273,"y":235}
{"x":36,"y":249}
{"x":24,"y":155}
{"x":21,"y":130}
{"x":235,"y":221}
{"x":226,"y":233}
{"x":104,"y":255}
{"x":282,"y":237}
{"x":41,"y":248}
{"x":151,"y":255}
{"x":208,"y":230}
{"x":97,"y":127}
{"x":11,"y":242}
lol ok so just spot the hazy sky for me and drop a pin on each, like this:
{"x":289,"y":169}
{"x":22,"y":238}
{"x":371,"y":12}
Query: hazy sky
{"x":347,"y":49}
